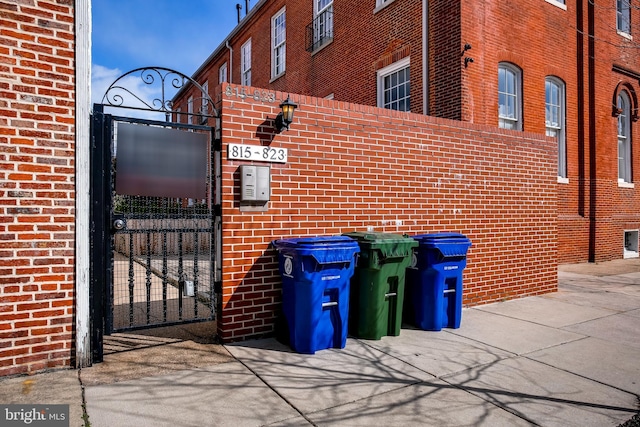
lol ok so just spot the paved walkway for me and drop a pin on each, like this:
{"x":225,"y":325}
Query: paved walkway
{"x":564,"y":359}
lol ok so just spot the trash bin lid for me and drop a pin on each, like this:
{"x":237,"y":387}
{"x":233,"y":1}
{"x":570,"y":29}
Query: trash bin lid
{"x":440,"y":236}
{"x":449,"y":244}
{"x":390,"y":245}
{"x":325,"y":249}
{"x":315,"y":241}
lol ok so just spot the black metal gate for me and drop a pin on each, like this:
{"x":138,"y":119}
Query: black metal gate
{"x":155,"y":214}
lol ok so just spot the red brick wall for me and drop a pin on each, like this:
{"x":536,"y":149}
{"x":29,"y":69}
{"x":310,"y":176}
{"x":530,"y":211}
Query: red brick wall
{"x":541,"y":38}
{"x":36,"y":185}
{"x":618,"y":208}
{"x":371,"y":40}
{"x":445,"y":60}
{"x":545,"y":40}
{"x":354,"y":167}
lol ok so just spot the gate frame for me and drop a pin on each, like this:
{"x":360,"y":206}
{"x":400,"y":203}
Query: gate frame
{"x":101,"y":267}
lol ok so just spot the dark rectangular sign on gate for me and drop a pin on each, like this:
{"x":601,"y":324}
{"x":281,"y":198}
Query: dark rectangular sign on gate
{"x":160,"y":162}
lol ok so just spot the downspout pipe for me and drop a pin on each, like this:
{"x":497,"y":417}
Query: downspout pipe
{"x":230,"y":61}
{"x":425,"y":56}
{"x":591,"y":102}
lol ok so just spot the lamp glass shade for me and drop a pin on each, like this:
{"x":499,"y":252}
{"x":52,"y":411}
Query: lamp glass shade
{"x":288,"y":108}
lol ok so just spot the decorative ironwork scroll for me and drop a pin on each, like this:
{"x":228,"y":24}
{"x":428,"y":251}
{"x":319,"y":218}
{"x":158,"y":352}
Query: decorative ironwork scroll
{"x":159,"y":86}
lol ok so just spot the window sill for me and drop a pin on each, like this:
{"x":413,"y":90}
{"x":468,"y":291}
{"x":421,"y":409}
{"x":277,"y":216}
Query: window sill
{"x":274,"y":78}
{"x":322,"y":46}
{"x":625,"y":35}
{"x":625,"y":184}
{"x":563,"y":180}
{"x":557,"y":4}
{"x":382,"y":6}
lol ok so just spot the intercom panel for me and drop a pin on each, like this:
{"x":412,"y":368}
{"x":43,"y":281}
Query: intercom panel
{"x":255,"y":183}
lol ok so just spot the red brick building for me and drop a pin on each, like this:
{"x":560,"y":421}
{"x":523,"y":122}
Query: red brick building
{"x":457,"y":71}
{"x":551,"y":66}
{"x":38,"y":185}
{"x":444,"y":174}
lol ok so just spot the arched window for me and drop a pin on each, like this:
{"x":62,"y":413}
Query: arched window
{"x":555,"y":119}
{"x":509,"y":97}
{"x":624,"y":137}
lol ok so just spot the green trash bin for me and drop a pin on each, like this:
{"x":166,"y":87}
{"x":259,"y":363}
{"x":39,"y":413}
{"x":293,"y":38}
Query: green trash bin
{"x":377,"y":286}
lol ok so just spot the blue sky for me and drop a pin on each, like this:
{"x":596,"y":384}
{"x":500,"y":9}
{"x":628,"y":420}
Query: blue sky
{"x":177,"y":34}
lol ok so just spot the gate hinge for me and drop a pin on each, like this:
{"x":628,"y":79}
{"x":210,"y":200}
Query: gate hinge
{"x":217,"y":210}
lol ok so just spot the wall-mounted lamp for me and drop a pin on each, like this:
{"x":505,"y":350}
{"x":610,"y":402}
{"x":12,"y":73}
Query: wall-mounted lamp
{"x":284,"y":118}
{"x":467,"y":59}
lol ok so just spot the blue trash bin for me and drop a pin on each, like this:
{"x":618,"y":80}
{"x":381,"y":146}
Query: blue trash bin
{"x":316,"y":273}
{"x":433,"y":298}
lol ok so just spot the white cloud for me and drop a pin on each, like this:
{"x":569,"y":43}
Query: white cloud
{"x":135,"y":90}
{"x":127,"y":34}
{"x":101,"y":78}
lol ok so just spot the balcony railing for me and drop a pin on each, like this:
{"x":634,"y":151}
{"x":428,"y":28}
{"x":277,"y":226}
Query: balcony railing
{"x":320,"y":31}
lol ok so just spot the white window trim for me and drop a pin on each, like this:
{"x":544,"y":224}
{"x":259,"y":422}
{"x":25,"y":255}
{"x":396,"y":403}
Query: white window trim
{"x":274,"y":74}
{"x":562,"y":140}
{"x":317,"y":12}
{"x":381,"y":4}
{"x":631,"y":252}
{"x":222,"y":74}
{"x":624,"y":34}
{"x":190,"y":110}
{"x":243,"y":63}
{"x":204,"y":104}
{"x":626,"y":181}
{"x":559,"y":4}
{"x":389,"y":69}
{"x":519,"y":99}
{"x":316,"y":33}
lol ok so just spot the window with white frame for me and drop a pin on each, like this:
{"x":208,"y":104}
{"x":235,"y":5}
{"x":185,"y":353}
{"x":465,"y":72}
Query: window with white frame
{"x":509,"y":97}
{"x":204,"y":106}
{"x":558,"y":3}
{"x":245,"y":63}
{"x":222,"y":73}
{"x":322,"y":22}
{"x":623,"y":16}
{"x":278,"y":45}
{"x":624,"y":138}
{"x":176,"y":115}
{"x":555,"y":119}
{"x":190,"y":110}
{"x":394,"y":86}
{"x":380,"y":3}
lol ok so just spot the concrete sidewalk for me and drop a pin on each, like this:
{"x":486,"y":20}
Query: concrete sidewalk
{"x":565,"y":359}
